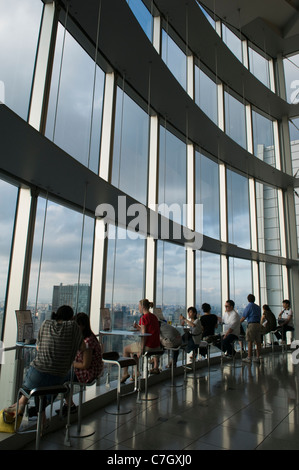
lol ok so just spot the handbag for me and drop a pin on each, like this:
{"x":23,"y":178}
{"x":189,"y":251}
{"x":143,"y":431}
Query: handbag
{"x":7,"y":422}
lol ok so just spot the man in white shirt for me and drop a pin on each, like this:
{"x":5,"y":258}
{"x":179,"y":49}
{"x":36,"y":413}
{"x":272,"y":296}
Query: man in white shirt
{"x":231,"y":328}
{"x":285,"y":321}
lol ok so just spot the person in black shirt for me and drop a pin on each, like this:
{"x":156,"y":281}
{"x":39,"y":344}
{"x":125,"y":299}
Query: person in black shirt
{"x":209,"y":322}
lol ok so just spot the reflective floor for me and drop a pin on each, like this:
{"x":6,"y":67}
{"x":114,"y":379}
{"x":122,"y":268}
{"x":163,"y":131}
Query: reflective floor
{"x":244,"y":407}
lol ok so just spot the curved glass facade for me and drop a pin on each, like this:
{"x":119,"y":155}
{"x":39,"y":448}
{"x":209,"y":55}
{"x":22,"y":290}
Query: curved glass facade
{"x":163,"y":129}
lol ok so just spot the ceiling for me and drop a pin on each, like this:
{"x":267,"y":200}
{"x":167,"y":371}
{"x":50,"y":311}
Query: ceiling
{"x":273,"y":25}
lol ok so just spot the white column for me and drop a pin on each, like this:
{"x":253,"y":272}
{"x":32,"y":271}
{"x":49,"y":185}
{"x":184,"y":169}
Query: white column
{"x":190,"y":76}
{"x":157,"y":33}
{"x":190,"y":253}
{"x":107,"y":126}
{"x":256,"y":281}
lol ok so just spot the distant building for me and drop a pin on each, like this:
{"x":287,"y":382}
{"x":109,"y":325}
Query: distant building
{"x":76,"y":296}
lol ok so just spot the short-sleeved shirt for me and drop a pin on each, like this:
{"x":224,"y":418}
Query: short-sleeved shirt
{"x":209,"y":323}
{"x":96,"y":366}
{"x":57,"y":346}
{"x":288,"y":313}
{"x":151,"y":323}
{"x":252,"y":313}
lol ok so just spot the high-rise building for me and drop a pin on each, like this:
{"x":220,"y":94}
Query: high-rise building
{"x":76,"y":296}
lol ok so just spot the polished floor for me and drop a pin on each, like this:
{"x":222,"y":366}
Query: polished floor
{"x":245,"y":407}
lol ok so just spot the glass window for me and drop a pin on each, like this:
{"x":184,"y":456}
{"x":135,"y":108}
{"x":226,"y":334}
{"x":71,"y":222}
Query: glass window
{"x":143,"y":16}
{"x":206,"y":94}
{"x":232,"y":42}
{"x":294,"y":143}
{"x":274,"y":287}
{"x":208,"y":281}
{"x":130,"y":150}
{"x":238,"y":210}
{"x":172,"y":176}
{"x":240,"y":282}
{"x":174,"y":58}
{"x":207,"y":194}
{"x":76,"y":101}
{"x":9,"y":194}
{"x":291,"y":65}
{"x":263,"y":138}
{"x":267,"y":220}
{"x":61,"y":260}
{"x":235,"y":119}
{"x":259,"y":66}
{"x":171,"y":280}
{"x":209,"y":18}
{"x":19,"y":33}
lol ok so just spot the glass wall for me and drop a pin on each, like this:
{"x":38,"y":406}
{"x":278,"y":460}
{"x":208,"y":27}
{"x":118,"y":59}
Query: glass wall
{"x":76,"y":101}
{"x":240,"y":282}
{"x":274,"y":287}
{"x":263,"y":138}
{"x":235,"y":119}
{"x":131,"y":146}
{"x":172,"y":176}
{"x":143,"y":16}
{"x":268,"y":220}
{"x":207,"y":194}
{"x":259,"y":66}
{"x":294,"y":143}
{"x":291,"y":65}
{"x":238,"y":216}
{"x":208,"y":281}
{"x":19,"y":33}
{"x":61,"y":260}
{"x":206,"y":94}
{"x":174,"y":58}
{"x":233,"y":42}
{"x":9,"y":194}
{"x":171,"y":280}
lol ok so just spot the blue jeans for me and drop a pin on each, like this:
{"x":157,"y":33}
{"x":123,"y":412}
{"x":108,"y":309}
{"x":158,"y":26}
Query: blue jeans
{"x":34,"y":378}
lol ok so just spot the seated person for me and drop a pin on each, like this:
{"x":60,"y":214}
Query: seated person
{"x":209,"y":322}
{"x":193,"y":336}
{"x":58,"y":341}
{"x":231,"y":329}
{"x":268,"y":320}
{"x":170,"y":337}
{"x":148,"y":323}
{"x":88,"y":364}
{"x":285,"y":321}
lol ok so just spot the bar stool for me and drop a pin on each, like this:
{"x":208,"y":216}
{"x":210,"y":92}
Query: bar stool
{"x":39,"y":392}
{"x":146,"y":356}
{"x":113,"y":358}
{"x":172,"y":366}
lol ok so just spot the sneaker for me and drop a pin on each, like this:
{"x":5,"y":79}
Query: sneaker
{"x":247,"y":359}
{"x":155,"y":371}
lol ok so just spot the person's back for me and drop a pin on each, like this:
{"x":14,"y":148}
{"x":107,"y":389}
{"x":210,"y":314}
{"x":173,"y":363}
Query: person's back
{"x":170,"y":337}
{"x":96,"y":366}
{"x":151,"y":323}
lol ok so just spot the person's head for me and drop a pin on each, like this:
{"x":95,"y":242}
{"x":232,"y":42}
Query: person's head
{"x":286,"y":304}
{"x":192,"y":312}
{"x":64,"y":313}
{"x":251,"y":298}
{"x":82,"y":319}
{"x":145,"y":305}
{"x":229,"y":305}
{"x":266,"y":308}
{"x":206,"y":308}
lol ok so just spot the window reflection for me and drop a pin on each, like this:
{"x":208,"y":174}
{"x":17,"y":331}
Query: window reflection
{"x":9,"y":194}
{"x":174,"y":58}
{"x":130,"y":151}
{"x":207,"y":194}
{"x":172,"y":175}
{"x":61,"y":260}
{"x":208,"y":281}
{"x":259,"y":66}
{"x":206,"y":94}
{"x":235,"y":119}
{"x":171,"y":280}
{"x":240,"y":282}
{"x":76,"y":101}
{"x":143,"y":16}
{"x":232,"y":42}
{"x":274,"y":287}
{"x":238,"y":210}
{"x":263,"y":138}
{"x":267,"y":219}
{"x":19,"y":33}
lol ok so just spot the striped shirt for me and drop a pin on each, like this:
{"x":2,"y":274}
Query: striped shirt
{"x":57,"y":345}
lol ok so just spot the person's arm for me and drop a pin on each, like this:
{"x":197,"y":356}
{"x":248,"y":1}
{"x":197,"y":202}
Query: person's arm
{"x":287,"y":319}
{"x":189,"y":322}
{"x":85,"y":364}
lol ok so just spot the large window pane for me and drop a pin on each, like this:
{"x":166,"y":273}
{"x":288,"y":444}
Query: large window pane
{"x":174,"y":58}
{"x":19,"y":32}
{"x":263,"y":138}
{"x":171,"y":280}
{"x":240,"y":282}
{"x":143,"y":16}
{"x":235,"y":119}
{"x":61,"y":260}
{"x":294,"y":143}
{"x":274,"y":287}
{"x":208,"y":281}
{"x":268,"y":220}
{"x":76,"y":101}
{"x":206,"y":94}
{"x":172,"y":175}
{"x":207,"y":194}
{"x":259,"y":66}
{"x":130,"y":151}
{"x":232,"y":42}
{"x":9,"y":194}
{"x":238,"y":210}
